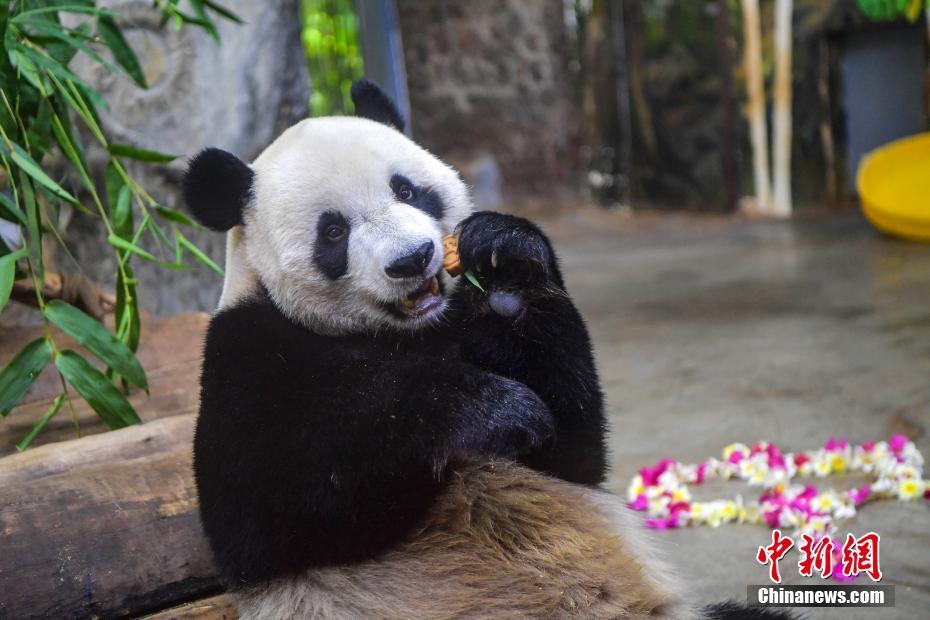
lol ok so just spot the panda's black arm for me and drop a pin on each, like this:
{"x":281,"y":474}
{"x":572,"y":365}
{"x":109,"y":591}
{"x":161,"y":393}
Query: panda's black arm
{"x":312,"y":451}
{"x":542,"y":342}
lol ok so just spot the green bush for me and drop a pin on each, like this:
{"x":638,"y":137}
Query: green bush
{"x":330,"y":37}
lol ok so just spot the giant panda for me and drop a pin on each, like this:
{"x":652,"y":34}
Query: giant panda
{"x":378,"y":440}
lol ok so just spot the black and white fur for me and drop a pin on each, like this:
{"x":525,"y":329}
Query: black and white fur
{"x":358,"y":458}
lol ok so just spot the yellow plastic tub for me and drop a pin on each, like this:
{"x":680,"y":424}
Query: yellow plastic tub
{"x":894,"y":187}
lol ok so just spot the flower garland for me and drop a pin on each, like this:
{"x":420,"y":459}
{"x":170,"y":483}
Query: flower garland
{"x":662,"y":491}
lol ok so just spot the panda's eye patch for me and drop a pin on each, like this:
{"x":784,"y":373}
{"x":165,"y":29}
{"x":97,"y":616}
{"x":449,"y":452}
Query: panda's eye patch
{"x":422,"y":198}
{"x":331,"y":252}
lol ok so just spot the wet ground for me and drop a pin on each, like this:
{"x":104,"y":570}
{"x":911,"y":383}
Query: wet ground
{"x":710,"y":331}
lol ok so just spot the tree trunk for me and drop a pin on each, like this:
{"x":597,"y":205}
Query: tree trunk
{"x":781,"y":206}
{"x":756,"y":109}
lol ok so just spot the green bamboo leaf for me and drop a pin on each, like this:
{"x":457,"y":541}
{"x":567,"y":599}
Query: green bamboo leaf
{"x":97,"y":339}
{"x":122,"y":244}
{"x":125,"y":57}
{"x":54,"y":70}
{"x":27,"y":69}
{"x":471,"y":278}
{"x":114,"y":183}
{"x":173,"y":215}
{"x":27,"y":164}
{"x":70,"y":38}
{"x":34,"y":225}
{"x":207,"y":23}
{"x":10,"y":211}
{"x":8,"y":274}
{"x":48,"y":415}
{"x":122,"y":214}
{"x":223,"y":11}
{"x":96,"y":389}
{"x":183,"y":242}
{"x":134,"y":152}
{"x":64,"y":8}
{"x":126,"y":310}
{"x":21,"y":373}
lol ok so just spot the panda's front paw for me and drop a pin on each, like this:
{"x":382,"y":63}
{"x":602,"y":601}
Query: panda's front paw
{"x":506,"y":252}
{"x":517,"y":422}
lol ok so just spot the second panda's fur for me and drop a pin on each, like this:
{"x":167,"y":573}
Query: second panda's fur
{"x":360,"y":456}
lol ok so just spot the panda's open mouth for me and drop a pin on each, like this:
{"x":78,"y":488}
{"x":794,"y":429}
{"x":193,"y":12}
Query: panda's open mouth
{"x":426,"y":299}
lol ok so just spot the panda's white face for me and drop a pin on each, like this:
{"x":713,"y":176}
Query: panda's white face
{"x":345,"y":226}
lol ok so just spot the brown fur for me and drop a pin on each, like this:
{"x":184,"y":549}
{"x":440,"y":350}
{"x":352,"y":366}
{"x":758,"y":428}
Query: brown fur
{"x":502,"y":542}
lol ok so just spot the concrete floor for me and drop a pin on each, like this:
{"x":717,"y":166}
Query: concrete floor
{"x":712,"y":330}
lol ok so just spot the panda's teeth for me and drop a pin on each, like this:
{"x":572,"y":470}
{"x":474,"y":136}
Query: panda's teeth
{"x":413,"y":301}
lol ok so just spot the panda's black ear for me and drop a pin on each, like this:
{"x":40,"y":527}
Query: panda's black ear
{"x":217,"y":186}
{"x":373,"y":103}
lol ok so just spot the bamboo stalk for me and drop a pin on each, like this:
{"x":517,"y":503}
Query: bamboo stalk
{"x":781,"y":206}
{"x":758,"y":132}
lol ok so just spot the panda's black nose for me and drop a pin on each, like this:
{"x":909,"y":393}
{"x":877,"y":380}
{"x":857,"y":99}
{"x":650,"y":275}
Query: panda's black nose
{"x":413,"y":264}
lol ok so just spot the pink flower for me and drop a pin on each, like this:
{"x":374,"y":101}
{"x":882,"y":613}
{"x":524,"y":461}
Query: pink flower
{"x":651,"y":474}
{"x":701,"y":471}
{"x":662,"y":523}
{"x":773,"y":517}
{"x":868,"y":446}
{"x":800,"y":459}
{"x":834,"y":445}
{"x":858,"y":496}
{"x":776,"y":458}
{"x":809,"y":492}
{"x":736,"y":457}
{"x":897,"y":443}
{"x":640,"y":503}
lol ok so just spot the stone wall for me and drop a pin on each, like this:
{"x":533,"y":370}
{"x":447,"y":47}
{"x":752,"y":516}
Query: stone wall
{"x":492,"y":77}
{"x":238,"y":95}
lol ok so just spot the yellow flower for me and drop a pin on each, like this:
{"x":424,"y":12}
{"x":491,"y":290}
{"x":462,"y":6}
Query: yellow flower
{"x":822,"y":503}
{"x":838,"y":462}
{"x":910,"y":488}
{"x":728,"y":511}
{"x":822,"y":468}
{"x":637,"y":488}
{"x":734,"y":447}
{"x":750,"y":514}
{"x":681,"y":494}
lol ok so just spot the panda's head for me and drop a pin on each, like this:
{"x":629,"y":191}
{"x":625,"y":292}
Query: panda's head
{"x":341,"y":219}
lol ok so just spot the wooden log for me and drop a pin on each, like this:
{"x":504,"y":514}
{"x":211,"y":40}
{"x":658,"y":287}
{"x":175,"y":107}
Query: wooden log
{"x":222,"y":607}
{"x":97,"y":534}
{"x":158,"y":437}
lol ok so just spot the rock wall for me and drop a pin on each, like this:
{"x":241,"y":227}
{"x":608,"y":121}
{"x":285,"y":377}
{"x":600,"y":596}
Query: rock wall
{"x":491,"y":77}
{"x":238,"y":95}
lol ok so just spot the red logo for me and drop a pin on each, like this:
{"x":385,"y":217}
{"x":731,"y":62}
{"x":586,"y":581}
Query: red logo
{"x":859,"y":555}
{"x":773,"y":553}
